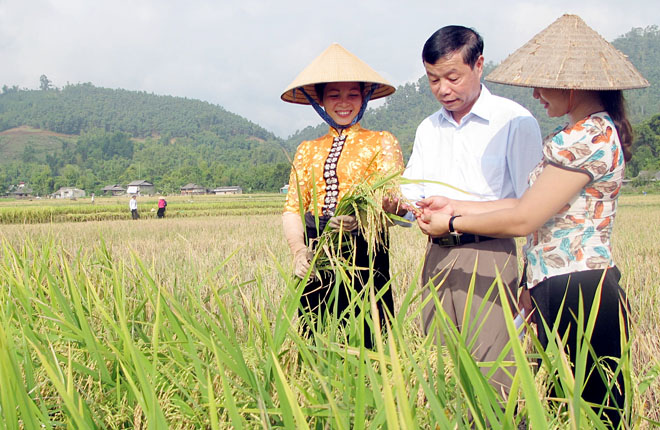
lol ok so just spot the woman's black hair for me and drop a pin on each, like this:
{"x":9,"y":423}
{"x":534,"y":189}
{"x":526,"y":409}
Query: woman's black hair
{"x":615,"y":105}
{"x":450,"y":39}
{"x":319,"y":88}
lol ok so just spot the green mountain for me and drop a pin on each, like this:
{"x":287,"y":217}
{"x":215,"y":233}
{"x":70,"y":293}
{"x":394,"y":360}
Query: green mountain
{"x":82,"y":107}
{"x":90,"y":137}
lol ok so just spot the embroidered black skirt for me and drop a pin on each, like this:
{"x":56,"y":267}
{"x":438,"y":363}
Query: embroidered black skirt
{"x":322,"y":293}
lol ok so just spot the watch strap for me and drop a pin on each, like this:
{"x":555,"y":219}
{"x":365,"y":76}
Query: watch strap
{"x":451,"y":224}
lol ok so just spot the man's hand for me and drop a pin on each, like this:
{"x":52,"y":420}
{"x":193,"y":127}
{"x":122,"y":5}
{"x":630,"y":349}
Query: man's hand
{"x":434,"y":223}
{"x":343,"y":222}
{"x":436,"y":204}
{"x":301,"y":263}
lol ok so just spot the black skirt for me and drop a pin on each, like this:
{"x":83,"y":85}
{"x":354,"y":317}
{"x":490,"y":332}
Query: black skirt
{"x":561,"y":295}
{"x":323,"y":292}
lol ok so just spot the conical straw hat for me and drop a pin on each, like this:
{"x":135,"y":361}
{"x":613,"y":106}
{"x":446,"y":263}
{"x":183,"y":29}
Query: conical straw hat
{"x":568,"y":54}
{"x":335,"y":64}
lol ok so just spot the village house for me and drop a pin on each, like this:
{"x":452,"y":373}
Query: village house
{"x":20,"y":191}
{"x":141,"y":188}
{"x":284,"y":189}
{"x":114,"y":190}
{"x":193,"y":189}
{"x":227,"y":190}
{"x":648,"y":176}
{"x":69,"y":193}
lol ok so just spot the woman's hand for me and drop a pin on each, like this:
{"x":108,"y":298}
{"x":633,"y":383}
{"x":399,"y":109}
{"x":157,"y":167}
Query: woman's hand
{"x":393,"y":205}
{"x":343,"y":222}
{"x":434,"y":223}
{"x":294,"y":234}
{"x":301,"y":263}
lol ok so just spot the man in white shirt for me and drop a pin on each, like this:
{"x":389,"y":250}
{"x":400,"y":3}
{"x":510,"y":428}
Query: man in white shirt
{"x":132,"y":205}
{"x":485,"y":146}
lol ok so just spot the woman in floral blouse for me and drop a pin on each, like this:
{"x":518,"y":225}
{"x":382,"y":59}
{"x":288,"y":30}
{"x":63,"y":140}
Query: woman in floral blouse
{"x":338,"y":85}
{"x":569,"y":209}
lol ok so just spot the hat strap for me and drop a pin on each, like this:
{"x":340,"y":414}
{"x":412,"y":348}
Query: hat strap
{"x":331,"y":122}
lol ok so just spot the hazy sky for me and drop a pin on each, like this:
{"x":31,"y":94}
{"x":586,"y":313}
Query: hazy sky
{"x":242,"y":54}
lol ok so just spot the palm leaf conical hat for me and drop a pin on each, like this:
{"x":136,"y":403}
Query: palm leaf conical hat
{"x":335,"y":64}
{"x":568,"y":54}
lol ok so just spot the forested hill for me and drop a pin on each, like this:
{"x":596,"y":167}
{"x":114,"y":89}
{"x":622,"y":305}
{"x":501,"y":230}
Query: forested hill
{"x":84,"y":107}
{"x":413,"y":102}
{"x":108,"y":136}
{"x":89,"y":137}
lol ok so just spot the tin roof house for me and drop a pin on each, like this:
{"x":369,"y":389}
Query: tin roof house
{"x":227,"y":190}
{"x":141,"y":188}
{"x":190,"y":189}
{"x":69,"y":193}
{"x":20,"y":191}
{"x":114,"y":190}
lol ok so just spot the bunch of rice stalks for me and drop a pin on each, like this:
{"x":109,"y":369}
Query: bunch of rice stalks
{"x":365,"y":202}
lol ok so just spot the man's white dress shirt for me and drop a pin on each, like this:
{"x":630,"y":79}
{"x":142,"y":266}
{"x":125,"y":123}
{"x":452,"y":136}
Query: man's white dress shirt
{"x":488,"y":156}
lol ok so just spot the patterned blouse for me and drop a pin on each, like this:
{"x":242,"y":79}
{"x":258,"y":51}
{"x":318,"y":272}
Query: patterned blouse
{"x":578,"y":237}
{"x":333,"y":164}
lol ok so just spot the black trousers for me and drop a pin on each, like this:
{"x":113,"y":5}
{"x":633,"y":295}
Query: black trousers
{"x":135,"y":214}
{"x":606,"y":339}
{"x":161,"y":212}
{"x":320,"y":293}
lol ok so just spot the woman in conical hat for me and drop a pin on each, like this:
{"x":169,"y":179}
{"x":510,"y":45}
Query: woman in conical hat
{"x":569,"y":209}
{"x":338,"y":85}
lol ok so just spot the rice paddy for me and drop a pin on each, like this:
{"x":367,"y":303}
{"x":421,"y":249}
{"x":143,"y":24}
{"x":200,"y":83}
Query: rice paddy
{"x":190,"y":322}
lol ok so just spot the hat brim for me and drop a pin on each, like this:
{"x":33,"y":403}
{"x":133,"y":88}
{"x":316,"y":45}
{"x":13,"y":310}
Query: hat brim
{"x":335,"y":64}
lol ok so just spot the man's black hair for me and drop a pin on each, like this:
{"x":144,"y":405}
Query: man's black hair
{"x":450,"y":39}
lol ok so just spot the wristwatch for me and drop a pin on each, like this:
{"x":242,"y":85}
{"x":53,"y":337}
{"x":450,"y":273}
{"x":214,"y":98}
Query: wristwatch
{"x":451,"y":225}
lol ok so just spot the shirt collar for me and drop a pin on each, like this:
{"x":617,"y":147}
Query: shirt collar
{"x":347,"y":131}
{"x":480,"y":109}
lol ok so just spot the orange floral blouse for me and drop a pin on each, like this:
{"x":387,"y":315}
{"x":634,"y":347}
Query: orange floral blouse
{"x":334,"y":163}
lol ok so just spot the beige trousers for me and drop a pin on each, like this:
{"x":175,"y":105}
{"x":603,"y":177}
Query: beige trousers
{"x":451,"y":271}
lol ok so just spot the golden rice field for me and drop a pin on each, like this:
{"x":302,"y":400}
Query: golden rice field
{"x":189,"y":322}
{"x":116,"y":208}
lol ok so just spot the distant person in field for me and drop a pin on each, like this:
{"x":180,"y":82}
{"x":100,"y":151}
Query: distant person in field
{"x":162,"y":204}
{"x":569,"y":209}
{"x":133,"y":206}
{"x":326,"y":169}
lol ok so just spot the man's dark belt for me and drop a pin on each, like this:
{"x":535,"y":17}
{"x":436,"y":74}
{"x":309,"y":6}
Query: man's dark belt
{"x":459,"y":239}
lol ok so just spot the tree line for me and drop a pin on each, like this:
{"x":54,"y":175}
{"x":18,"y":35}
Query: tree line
{"x":121,"y":136}
{"x":118,"y":136}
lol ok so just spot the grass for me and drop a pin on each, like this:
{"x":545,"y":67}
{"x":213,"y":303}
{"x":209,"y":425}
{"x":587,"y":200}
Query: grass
{"x":190,"y":323}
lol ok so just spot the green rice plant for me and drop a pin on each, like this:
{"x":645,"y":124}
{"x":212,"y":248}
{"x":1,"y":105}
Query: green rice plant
{"x":113,"y":333}
{"x":175,"y":358}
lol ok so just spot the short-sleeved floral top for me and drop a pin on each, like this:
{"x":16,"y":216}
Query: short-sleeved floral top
{"x":331,"y":165}
{"x":578,"y":237}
